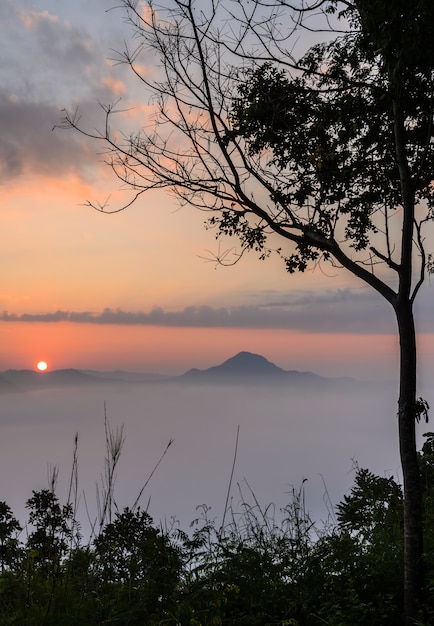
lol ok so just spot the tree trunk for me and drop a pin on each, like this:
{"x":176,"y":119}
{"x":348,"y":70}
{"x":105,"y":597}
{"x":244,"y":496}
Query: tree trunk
{"x":413,"y":529}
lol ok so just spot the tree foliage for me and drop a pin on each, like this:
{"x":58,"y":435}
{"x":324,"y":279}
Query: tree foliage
{"x":9,"y":544}
{"x":302,"y":147}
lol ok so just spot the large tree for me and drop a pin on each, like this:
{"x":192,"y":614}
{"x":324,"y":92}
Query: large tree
{"x":322,"y":157}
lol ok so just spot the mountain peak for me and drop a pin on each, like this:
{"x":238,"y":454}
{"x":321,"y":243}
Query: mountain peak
{"x":253,"y":369}
{"x":249,"y":363}
{"x":243,"y":367}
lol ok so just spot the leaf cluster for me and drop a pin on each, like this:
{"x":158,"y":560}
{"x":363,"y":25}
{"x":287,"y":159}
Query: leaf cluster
{"x":330,"y":152}
{"x":327,"y":130}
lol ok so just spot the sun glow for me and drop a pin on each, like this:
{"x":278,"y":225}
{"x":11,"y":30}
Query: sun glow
{"x":42,"y":366}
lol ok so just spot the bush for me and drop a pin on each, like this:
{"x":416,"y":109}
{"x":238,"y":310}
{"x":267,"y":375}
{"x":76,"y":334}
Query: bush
{"x":262,"y":567}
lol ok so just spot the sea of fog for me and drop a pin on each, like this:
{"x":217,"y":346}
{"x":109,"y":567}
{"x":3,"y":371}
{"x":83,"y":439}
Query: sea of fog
{"x":285,"y":437}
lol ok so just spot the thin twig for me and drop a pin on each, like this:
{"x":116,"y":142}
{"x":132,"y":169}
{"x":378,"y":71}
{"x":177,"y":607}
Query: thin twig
{"x":230,"y":479}
{"x":150,"y":476}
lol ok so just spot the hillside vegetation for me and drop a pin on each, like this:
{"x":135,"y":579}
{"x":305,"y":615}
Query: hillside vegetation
{"x":261,"y":567}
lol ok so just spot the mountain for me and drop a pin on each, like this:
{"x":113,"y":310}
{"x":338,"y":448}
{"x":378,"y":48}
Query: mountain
{"x":6,"y":385}
{"x":244,"y":368}
{"x":25,"y":379}
{"x":250,"y":368}
{"x":127,"y":377}
{"x":18,"y":380}
{"x":29,"y":379}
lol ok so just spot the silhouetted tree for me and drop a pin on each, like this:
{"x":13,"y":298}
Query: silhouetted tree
{"x":137,"y":566}
{"x":49,"y":541}
{"x":331,"y":151}
{"x":9,"y":543}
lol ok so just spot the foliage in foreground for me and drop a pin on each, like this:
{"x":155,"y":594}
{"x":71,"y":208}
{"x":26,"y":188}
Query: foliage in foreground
{"x":253,"y":571}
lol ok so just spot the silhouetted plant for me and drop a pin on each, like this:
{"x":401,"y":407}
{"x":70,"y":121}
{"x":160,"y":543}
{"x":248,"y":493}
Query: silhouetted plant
{"x":115,"y":440}
{"x":9,"y":541}
{"x":48,"y":543}
{"x":356,"y":568}
{"x":137,"y":568}
{"x":263,"y":567}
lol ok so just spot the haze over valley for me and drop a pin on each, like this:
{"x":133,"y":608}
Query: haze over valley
{"x":293,"y":426}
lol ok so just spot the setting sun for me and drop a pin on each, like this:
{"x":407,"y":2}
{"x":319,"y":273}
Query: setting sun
{"x":42,"y":366}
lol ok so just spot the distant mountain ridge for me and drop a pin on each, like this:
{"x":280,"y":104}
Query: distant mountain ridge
{"x":248,"y":367}
{"x":244,"y":368}
{"x":244,"y":363}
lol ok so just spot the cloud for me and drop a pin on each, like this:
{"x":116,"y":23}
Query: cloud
{"x":32,"y":18}
{"x":48,"y":63}
{"x":58,"y":63}
{"x":60,"y":46}
{"x":46,"y":57}
{"x":338,"y":311}
{"x":30,"y":147}
{"x":113,"y":85}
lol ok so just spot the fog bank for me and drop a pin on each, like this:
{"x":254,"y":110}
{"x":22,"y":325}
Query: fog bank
{"x":286,"y":436}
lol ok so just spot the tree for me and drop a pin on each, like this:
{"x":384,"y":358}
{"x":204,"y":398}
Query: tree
{"x":138,"y":568}
{"x":46,"y":549}
{"x":356,"y":567}
{"x":9,"y":544}
{"x":322,"y":157}
{"x":53,"y":528}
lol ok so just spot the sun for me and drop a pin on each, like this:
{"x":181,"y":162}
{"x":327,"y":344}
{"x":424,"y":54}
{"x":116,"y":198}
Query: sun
{"x":42,"y":366}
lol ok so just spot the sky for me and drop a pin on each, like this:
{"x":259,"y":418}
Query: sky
{"x":136,"y":290}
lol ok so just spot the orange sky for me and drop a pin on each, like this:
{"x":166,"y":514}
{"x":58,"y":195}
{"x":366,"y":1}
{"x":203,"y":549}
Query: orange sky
{"x":174,"y":350}
{"x":58,"y":255}
{"x":137,"y":291}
